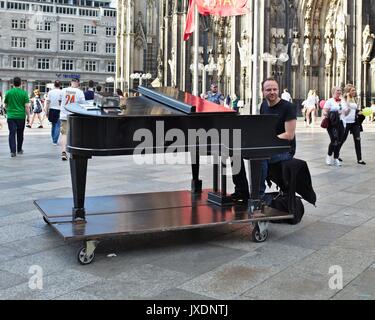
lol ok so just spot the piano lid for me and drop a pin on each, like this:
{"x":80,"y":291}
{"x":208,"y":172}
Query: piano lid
{"x":182,"y":101}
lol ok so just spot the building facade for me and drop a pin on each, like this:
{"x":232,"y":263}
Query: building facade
{"x":305,"y":44}
{"x":46,"y":40}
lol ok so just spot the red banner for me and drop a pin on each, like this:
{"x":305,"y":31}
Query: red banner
{"x":222,"y":8}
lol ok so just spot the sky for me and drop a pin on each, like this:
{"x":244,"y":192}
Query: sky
{"x":114,"y":3}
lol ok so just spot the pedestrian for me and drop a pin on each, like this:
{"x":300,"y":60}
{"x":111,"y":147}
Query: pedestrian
{"x":37,"y":106}
{"x":310,"y":105}
{"x":352,"y":125}
{"x":285,"y":129}
{"x":214,"y":95}
{"x":16,"y":102}
{"x":335,"y":110}
{"x":90,"y":93}
{"x":286,"y":96}
{"x":372,"y":117}
{"x":69,"y":95}
{"x":123,"y":98}
{"x":53,"y":109}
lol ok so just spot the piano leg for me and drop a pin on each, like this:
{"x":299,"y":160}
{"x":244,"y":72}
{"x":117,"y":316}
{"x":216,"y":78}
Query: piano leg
{"x":78,"y":171}
{"x":196,"y":184}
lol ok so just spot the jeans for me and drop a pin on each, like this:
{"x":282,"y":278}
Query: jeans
{"x":16,"y":128}
{"x":355,"y":130}
{"x":336,"y":135}
{"x":55,"y":131}
{"x":281,"y":157}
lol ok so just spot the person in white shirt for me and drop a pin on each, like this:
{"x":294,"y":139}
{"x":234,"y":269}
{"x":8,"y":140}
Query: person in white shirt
{"x":336,"y":110}
{"x":53,"y":109}
{"x":69,"y":95}
{"x":352,"y":126}
{"x":286,"y":96}
{"x":310,"y":105}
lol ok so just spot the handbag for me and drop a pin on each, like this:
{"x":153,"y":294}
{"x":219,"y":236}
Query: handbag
{"x":325,"y":123}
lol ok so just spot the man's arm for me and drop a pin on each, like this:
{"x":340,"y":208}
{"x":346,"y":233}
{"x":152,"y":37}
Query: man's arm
{"x":290,"y":130}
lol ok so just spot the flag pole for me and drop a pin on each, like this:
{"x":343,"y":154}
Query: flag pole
{"x":196,"y":52}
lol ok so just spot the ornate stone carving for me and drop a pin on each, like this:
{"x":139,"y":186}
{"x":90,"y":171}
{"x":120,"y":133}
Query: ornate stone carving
{"x":317,"y":52}
{"x":172,"y":66}
{"x":328,"y":51}
{"x":341,"y":37}
{"x":244,"y":49}
{"x":368,"y":43}
{"x":307,"y":52}
{"x":296,"y":51}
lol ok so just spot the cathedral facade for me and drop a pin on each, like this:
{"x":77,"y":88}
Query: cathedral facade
{"x":308,"y":44}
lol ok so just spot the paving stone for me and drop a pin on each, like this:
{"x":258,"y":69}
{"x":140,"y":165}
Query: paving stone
{"x":316,"y":236}
{"x":140,"y":283}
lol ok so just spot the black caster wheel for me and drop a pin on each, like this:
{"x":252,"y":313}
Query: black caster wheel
{"x":83,"y":258}
{"x":45,"y":220}
{"x":257,"y":236}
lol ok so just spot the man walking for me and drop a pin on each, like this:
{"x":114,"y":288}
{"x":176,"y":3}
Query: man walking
{"x":69,"y":95}
{"x":53,"y":109}
{"x":16,"y":102}
{"x":285,"y":129}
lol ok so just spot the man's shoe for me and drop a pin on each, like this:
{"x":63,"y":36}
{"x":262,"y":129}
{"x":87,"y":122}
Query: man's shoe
{"x":28,"y":126}
{"x":239,"y":198}
{"x":362,"y":162}
{"x":13,"y":154}
{"x":329,"y":161}
{"x":341,"y":160}
{"x":40,"y":127}
{"x":20,"y":152}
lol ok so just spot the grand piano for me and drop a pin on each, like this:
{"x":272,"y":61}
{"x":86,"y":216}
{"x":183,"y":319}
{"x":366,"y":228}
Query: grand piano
{"x":161,"y":120}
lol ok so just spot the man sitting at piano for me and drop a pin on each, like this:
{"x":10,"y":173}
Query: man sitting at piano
{"x":286,"y":128}
{"x":214,"y":95}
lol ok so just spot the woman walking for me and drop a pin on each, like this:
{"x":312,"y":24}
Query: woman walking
{"x":352,"y":126}
{"x":335,"y":110}
{"x":310,"y":105}
{"x":37,"y":109}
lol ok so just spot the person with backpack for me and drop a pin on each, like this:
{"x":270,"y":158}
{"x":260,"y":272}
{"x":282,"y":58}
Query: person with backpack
{"x":53,"y":109}
{"x":37,"y":109}
{"x":335,"y":109}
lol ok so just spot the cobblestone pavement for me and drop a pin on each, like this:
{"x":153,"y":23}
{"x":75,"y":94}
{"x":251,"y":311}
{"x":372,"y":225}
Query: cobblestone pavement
{"x":213,"y":263}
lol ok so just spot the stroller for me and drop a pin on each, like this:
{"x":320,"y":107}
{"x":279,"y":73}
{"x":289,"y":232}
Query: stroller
{"x":291,"y":177}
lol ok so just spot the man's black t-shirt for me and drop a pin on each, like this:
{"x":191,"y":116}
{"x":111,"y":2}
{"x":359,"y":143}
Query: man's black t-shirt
{"x":286,"y":111}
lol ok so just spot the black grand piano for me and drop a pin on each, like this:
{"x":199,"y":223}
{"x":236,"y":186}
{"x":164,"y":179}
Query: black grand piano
{"x":161,"y":120}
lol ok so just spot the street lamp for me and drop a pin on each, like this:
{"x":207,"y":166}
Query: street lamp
{"x":141,"y":77}
{"x":272,"y":60}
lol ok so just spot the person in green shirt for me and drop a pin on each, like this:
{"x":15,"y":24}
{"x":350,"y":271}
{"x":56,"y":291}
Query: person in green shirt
{"x":16,"y":102}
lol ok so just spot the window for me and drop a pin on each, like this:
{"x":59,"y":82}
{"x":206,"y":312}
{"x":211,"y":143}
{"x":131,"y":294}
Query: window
{"x":89,"y":29}
{"x":109,"y":13}
{"x":111,"y":67}
{"x":67,"y":28}
{"x":18,"y":63}
{"x":67,"y":45}
{"x":23,"y":24}
{"x":43,"y":26}
{"x":43,"y":64}
{"x":67,"y":65}
{"x":89,"y":46}
{"x":110,"y":48}
{"x":110,"y":31}
{"x":18,"y":42}
{"x":43,"y":44}
{"x":90,"y":66}
{"x":14,"y":24}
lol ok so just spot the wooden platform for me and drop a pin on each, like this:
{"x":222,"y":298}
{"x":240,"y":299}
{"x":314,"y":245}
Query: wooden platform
{"x":109,"y":216}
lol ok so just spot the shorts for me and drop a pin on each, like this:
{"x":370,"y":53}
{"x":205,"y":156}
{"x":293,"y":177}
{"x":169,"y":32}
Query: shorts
{"x":64,"y":127}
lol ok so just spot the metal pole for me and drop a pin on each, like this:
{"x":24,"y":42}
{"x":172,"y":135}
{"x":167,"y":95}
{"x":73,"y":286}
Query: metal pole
{"x":196,"y":52}
{"x":255,"y":58}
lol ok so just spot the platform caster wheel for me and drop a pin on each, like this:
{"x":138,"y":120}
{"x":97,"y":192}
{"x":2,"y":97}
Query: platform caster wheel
{"x":83,"y":258}
{"x":46,"y":221}
{"x":257,"y":236}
